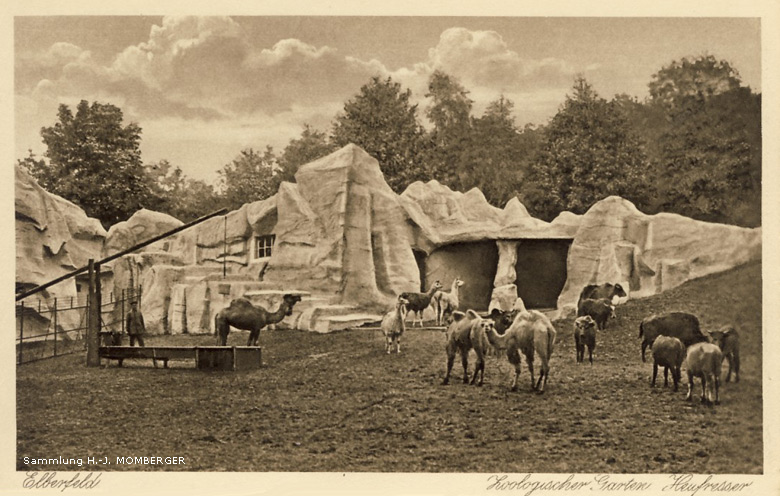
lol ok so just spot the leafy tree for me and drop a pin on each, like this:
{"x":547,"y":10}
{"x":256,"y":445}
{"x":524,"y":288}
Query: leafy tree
{"x":248,"y":178}
{"x":310,"y":146}
{"x":94,"y":161}
{"x":709,"y":162}
{"x":588,"y":152}
{"x":699,"y":79}
{"x":179,"y":196}
{"x":496,"y":155}
{"x":381,"y":120}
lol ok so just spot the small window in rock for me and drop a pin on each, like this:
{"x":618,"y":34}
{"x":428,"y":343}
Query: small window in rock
{"x":264,"y":245}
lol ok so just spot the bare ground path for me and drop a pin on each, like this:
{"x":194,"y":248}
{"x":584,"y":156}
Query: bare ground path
{"x":337,"y":403}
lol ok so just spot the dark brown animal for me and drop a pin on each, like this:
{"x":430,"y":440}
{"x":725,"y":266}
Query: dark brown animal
{"x":680,"y":325}
{"x":597,"y":291}
{"x":418,"y":302}
{"x":727,"y":339}
{"x":502,"y":320}
{"x":669,"y":353}
{"x":584,"y":335}
{"x":241,"y":314}
{"x":601,"y":310}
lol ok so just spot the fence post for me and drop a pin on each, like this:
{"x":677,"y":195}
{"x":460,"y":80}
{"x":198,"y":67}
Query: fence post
{"x":21,"y":335}
{"x":55,"y":326}
{"x":124,"y":295}
{"x":93,"y":318}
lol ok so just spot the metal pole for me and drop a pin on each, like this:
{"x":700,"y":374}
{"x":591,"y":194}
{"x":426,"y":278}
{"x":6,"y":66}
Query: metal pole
{"x":55,"y":326}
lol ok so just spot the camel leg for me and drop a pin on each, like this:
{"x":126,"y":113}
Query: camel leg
{"x":450,"y":362}
{"x":690,"y":387}
{"x":514,"y":358}
{"x":464,"y":359}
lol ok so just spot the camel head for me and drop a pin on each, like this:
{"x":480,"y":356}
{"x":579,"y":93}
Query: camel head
{"x":289,"y":301}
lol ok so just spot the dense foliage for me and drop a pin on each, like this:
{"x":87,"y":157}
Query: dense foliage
{"x":692,"y":147}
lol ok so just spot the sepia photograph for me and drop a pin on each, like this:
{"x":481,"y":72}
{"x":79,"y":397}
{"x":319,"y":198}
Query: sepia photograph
{"x":474,"y":251}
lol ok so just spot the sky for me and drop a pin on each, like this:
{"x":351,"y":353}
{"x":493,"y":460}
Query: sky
{"x":204,"y":88}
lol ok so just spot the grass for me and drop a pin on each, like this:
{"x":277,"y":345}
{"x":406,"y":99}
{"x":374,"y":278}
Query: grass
{"x":337,"y":402}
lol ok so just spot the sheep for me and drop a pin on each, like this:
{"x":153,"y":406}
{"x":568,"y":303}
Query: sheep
{"x":393,"y":325}
{"x":681,"y":325}
{"x":601,"y":310}
{"x":584,"y":335}
{"x":530,"y":332}
{"x":727,"y":340}
{"x":459,"y":339}
{"x":704,"y":361}
{"x":446,"y":303}
{"x":418,"y":302}
{"x":669,"y":353}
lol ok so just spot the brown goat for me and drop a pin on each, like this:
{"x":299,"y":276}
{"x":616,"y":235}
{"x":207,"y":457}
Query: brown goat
{"x":727,"y":339}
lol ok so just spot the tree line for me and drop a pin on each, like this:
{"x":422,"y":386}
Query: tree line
{"x":692,"y":147}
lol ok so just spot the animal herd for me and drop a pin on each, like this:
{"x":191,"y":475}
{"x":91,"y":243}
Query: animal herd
{"x":674,"y":338}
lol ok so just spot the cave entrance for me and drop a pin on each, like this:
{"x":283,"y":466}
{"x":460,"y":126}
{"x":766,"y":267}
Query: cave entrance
{"x":474,"y":262}
{"x":541,"y":271}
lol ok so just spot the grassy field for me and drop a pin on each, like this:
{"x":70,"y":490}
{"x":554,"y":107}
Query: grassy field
{"x":338,"y":403}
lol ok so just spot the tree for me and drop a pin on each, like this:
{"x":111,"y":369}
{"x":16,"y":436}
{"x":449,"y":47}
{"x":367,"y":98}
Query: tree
{"x":381,"y":120}
{"x":699,"y":79}
{"x":496,"y":155}
{"x":177,"y":195}
{"x":248,"y":178}
{"x":94,"y":161}
{"x":588,"y":152}
{"x":310,"y":146}
{"x":450,"y":114}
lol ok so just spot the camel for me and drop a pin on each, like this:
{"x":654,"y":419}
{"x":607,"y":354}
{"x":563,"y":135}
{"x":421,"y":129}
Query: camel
{"x":241,"y":314}
{"x":531,"y":331}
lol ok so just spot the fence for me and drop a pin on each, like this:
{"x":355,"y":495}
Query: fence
{"x":58,"y":326}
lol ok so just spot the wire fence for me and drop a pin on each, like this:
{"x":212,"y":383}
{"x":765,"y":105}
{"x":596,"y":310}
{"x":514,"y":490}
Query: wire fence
{"x":58,"y":326}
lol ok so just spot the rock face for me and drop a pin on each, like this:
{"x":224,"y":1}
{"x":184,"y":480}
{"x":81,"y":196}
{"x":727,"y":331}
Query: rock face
{"x":648,"y":254}
{"x":53,"y":237}
{"x":345,"y":242}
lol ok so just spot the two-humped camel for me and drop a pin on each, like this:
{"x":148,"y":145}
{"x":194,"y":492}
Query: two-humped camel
{"x":531,"y":332}
{"x":241,"y":314}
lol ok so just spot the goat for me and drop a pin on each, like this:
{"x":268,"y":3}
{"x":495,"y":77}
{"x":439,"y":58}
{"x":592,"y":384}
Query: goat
{"x":669,"y":353}
{"x":601,"y":310}
{"x":418,"y":302}
{"x":584,"y":335}
{"x":446,"y":303}
{"x":727,"y":339}
{"x":704,"y":361}
{"x":393,"y":325}
{"x":681,"y":325}
{"x":530,"y":332}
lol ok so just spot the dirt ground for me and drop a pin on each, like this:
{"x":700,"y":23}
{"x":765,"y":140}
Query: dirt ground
{"x":338,"y":403}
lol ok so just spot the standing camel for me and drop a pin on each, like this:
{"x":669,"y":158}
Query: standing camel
{"x":241,"y":314}
{"x":531,"y":332}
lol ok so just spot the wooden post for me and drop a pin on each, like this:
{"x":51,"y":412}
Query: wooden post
{"x":21,"y":334}
{"x":224,"y":249}
{"x":93,"y":318}
{"x":124,"y":296}
{"x":55,"y":326}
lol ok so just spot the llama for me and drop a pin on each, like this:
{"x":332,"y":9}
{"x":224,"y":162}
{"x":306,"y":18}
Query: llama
{"x":418,"y":302}
{"x":531,"y":332}
{"x":393,"y":325}
{"x":446,"y":303}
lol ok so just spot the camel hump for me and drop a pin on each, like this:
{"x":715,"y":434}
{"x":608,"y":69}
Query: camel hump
{"x":240,"y":303}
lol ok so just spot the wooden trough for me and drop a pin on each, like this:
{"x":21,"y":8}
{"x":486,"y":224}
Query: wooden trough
{"x":206,"y":357}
